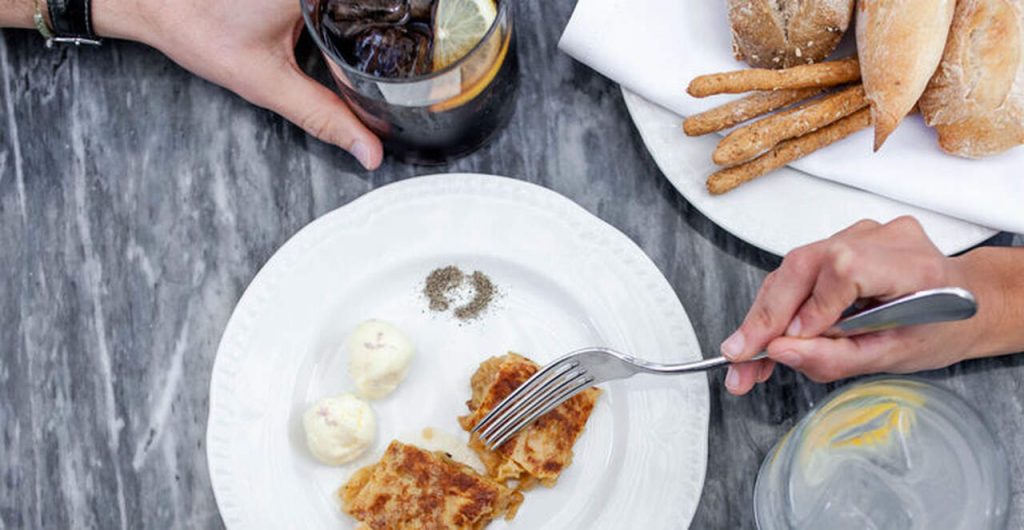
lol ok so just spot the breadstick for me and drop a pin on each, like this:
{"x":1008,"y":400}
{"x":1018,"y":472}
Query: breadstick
{"x":786,"y":152}
{"x":829,"y":73}
{"x":743,"y":109}
{"x":749,"y":141}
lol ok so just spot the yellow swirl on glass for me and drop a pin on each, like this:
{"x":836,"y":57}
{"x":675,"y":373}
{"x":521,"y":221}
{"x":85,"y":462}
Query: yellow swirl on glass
{"x":865,"y":416}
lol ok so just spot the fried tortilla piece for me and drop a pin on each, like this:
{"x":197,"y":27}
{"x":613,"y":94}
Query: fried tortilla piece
{"x":413,"y":489}
{"x":541,"y":451}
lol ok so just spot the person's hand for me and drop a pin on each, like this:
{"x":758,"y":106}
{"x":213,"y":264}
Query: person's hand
{"x":816,"y":283}
{"x":249,"y":48}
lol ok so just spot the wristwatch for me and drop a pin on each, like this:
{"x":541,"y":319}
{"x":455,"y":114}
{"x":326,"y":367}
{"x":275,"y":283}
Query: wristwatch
{"x":71,"y":20}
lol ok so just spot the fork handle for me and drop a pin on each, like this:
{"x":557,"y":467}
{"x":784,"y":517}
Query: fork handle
{"x":946,"y":304}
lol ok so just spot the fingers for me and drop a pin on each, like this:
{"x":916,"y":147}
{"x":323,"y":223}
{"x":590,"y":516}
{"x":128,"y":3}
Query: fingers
{"x":303,"y":101}
{"x":891,"y":260}
{"x":781,"y":294}
{"x":743,"y":376}
{"x":911,"y":249}
{"x":825,"y":360}
{"x":836,"y":288}
{"x":894,"y":259}
{"x":767,"y":367}
{"x":815,"y":284}
{"x":785,"y":291}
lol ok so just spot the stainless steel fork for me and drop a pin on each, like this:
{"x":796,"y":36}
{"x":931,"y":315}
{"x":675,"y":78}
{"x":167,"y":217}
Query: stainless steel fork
{"x":569,"y":375}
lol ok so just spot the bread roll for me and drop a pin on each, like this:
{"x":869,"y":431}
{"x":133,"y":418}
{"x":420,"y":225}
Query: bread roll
{"x":784,"y":33}
{"x":976,"y":98}
{"x":900,"y":44}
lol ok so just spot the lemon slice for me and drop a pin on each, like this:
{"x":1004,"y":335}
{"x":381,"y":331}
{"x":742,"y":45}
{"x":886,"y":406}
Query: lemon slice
{"x":474,"y":78}
{"x":458,"y":27}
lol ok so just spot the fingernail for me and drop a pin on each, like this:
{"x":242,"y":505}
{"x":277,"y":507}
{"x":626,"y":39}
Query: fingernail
{"x":733,"y":346}
{"x":794,"y":328}
{"x":789,"y":358}
{"x":362,"y":153}
{"x":732,"y":379}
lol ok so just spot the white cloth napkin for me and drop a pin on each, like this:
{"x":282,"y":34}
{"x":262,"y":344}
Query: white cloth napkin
{"x":655,"y":47}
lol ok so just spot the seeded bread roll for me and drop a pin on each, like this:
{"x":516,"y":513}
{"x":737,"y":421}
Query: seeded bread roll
{"x":784,"y":33}
{"x":975,"y":100}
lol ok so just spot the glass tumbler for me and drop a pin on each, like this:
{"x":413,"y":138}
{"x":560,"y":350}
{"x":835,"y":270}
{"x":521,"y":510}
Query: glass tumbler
{"x":439,"y":116}
{"x":886,"y":453}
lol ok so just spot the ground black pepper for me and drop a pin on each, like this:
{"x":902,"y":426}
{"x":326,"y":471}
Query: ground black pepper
{"x":447,"y":285}
{"x":483,"y":293}
{"x":440,"y":284}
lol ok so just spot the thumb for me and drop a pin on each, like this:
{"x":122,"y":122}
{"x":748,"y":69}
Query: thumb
{"x":825,"y":360}
{"x":320,"y":112}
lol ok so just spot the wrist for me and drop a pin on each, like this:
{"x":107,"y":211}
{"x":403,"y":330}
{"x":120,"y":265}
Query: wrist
{"x":120,"y":19}
{"x":18,"y":13}
{"x":993,"y":275}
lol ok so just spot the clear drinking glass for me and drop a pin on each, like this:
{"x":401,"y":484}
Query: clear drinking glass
{"x":439,"y":116}
{"x":887,"y":453}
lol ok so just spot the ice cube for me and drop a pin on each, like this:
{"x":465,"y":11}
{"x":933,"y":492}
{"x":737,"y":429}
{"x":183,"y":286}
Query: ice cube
{"x":348,"y":18}
{"x":858,"y":497}
{"x":393,"y":51}
{"x":388,"y":11}
{"x":422,"y":9}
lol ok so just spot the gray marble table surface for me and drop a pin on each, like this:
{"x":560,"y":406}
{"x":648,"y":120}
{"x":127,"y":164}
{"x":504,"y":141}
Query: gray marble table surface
{"x":138,"y":201}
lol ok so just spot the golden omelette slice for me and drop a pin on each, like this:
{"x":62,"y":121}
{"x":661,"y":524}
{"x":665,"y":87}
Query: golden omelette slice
{"x":413,"y":489}
{"x":541,"y":451}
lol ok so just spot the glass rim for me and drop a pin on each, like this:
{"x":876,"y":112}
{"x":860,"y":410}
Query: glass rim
{"x":503,"y":8}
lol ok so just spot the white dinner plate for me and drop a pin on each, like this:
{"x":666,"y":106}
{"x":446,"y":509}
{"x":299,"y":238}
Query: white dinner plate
{"x":785,"y":211}
{"x":567,"y":279}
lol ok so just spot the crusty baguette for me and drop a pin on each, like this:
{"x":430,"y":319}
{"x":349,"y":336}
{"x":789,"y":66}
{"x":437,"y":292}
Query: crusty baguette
{"x":743,"y":109}
{"x":975,"y":100}
{"x":900,"y":43}
{"x":784,"y":33}
{"x":786,"y":152}
{"x":826,"y":74}
{"x":751,"y":140}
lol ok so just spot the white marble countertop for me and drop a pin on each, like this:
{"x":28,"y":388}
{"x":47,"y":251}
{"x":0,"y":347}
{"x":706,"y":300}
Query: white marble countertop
{"x":137,"y":201}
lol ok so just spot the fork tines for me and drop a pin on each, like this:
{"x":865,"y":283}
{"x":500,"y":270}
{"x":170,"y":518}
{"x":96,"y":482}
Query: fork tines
{"x":548,"y":388}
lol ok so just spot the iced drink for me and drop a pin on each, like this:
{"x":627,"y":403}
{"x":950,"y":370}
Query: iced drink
{"x":435,"y":79}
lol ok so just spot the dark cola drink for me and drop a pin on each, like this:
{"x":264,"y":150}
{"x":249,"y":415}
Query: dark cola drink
{"x":430,"y":93}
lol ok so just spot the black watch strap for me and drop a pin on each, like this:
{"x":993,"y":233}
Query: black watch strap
{"x":72,"y":21}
